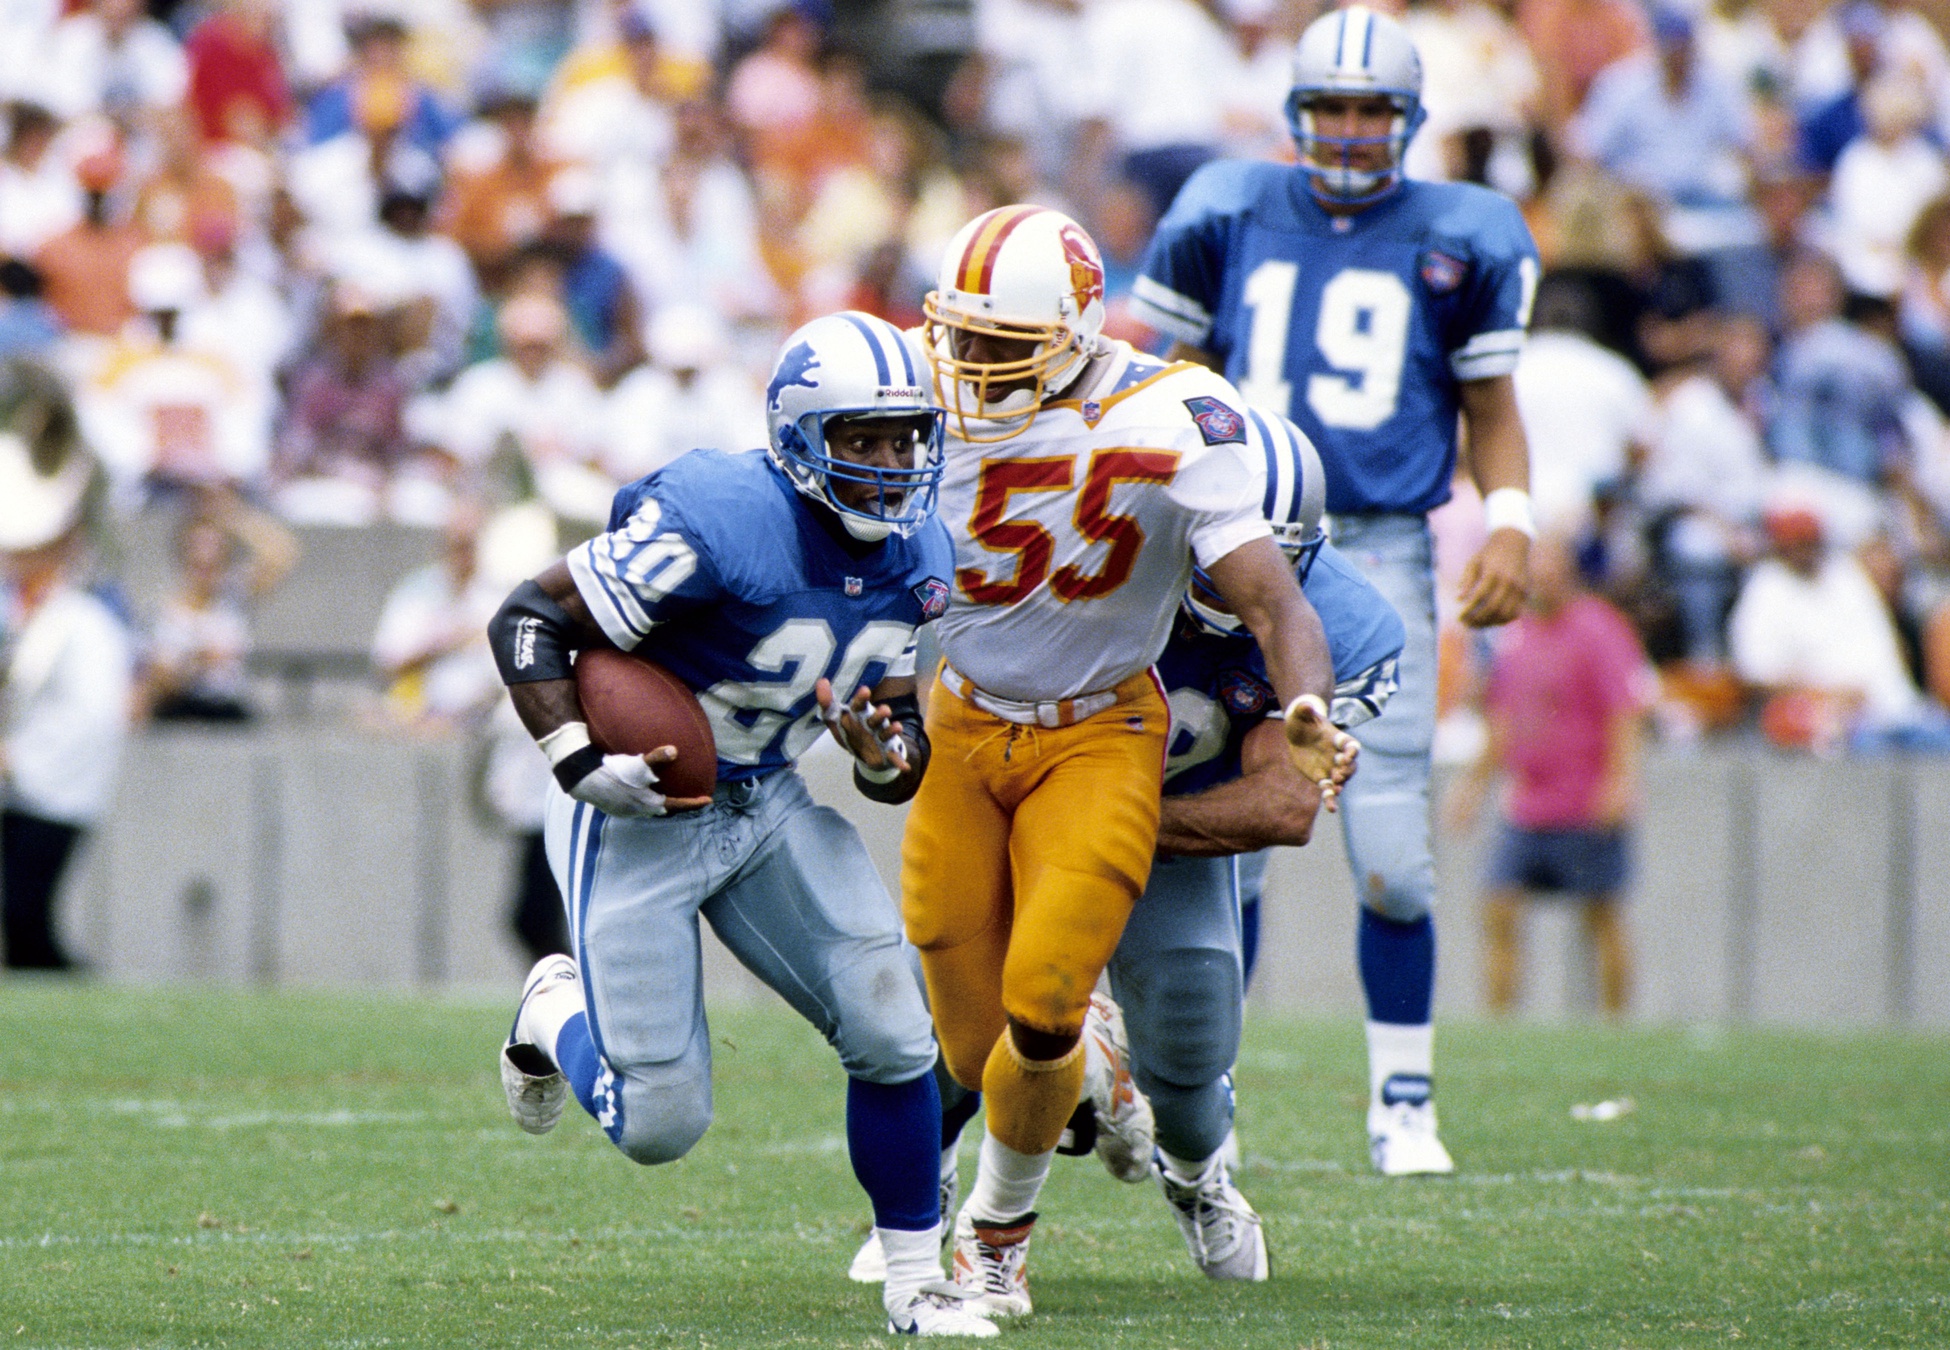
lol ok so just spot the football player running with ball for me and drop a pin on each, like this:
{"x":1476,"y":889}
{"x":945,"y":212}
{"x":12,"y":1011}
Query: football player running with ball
{"x":765,"y":581}
{"x":1083,"y":479}
{"x":1372,"y":310}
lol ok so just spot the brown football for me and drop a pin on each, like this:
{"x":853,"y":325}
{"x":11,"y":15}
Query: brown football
{"x":634,"y":706}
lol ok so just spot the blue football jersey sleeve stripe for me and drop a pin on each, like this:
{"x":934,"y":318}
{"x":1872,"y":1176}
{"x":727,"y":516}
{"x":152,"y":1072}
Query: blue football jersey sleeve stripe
{"x":1166,"y":310}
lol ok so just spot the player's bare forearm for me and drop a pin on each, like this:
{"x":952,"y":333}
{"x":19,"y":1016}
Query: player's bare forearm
{"x":1256,"y":583}
{"x":1496,"y":580}
{"x":547,"y":705}
{"x":1268,"y":805}
{"x":1184,"y":351}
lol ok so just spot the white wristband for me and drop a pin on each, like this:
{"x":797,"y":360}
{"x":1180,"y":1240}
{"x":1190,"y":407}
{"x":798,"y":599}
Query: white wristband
{"x":1508,"y":508}
{"x":564,"y":741}
{"x":1314,"y":701}
{"x":882,"y":775}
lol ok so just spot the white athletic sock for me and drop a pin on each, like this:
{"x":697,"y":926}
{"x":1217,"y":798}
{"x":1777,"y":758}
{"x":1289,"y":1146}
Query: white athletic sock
{"x":546,"y":1014}
{"x":1183,"y":1172}
{"x":1393,"y":1048}
{"x":913,"y":1259}
{"x":1006,"y":1183}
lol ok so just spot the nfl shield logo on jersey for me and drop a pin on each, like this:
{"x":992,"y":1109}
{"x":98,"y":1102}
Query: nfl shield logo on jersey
{"x":1243,"y":694}
{"x":1442,"y":273}
{"x":854,"y":585}
{"x":933,"y":595}
{"x":1216,"y":422}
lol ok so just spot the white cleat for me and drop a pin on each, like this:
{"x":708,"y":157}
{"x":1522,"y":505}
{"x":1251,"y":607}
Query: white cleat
{"x":1402,"y":1137}
{"x":1222,"y":1231}
{"x":991,"y":1264}
{"x":1124,"y":1122}
{"x":870,"y":1262}
{"x":940,"y":1309}
{"x":536,"y":1089}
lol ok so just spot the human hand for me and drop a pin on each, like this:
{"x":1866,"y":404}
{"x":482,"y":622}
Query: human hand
{"x":1324,"y":754}
{"x":867,"y":731}
{"x":1496,"y":580}
{"x":625,"y":785}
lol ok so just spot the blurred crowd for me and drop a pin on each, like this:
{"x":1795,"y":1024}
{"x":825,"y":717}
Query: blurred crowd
{"x":467,"y":265}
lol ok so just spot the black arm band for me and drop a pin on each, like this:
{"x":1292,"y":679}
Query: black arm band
{"x":574,"y":768}
{"x":530,"y":637}
{"x":914,"y":748}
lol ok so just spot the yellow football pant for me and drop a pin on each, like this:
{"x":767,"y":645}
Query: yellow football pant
{"x":1025,"y":849}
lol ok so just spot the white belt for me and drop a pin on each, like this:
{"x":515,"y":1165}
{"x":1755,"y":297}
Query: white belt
{"x":1059,"y":713}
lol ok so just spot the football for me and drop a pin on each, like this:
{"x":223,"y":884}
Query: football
{"x":633,"y":706}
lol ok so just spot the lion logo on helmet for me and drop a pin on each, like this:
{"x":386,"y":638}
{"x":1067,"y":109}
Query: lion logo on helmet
{"x":1086,"y":272}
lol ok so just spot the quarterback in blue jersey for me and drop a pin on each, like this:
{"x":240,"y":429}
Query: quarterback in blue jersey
{"x":765,"y":581}
{"x":1372,"y":310}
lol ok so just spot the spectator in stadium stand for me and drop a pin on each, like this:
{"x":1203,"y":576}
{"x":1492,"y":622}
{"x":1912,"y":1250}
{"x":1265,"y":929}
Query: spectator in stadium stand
{"x":1845,"y":46}
{"x":242,"y":315}
{"x":492,"y":210}
{"x":110,"y":57}
{"x":611,"y":106}
{"x":65,"y":689}
{"x":1842,"y":379}
{"x":602,"y":303}
{"x":1670,"y":126}
{"x":688,"y":396}
{"x":1813,"y":639}
{"x":85,"y":268}
{"x":28,"y":324}
{"x":164,"y":414}
{"x":229,"y":557}
{"x":425,"y":275}
{"x":774,"y":92}
{"x":39,"y":196}
{"x":378,"y":44}
{"x":430,"y":646}
{"x":1572,"y":41}
{"x":343,"y":437}
{"x":1704,"y":479}
{"x":1882,"y":182}
{"x":690,"y":234}
{"x":1923,"y":311}
{"x":530,"y":421}
{"x":183,"y":187}
{"x":1163,"y":76}
{"x":1478,"y":80}
{"x":1585,"y":401}
{"x":1568,"y":689}
{"x":237,"y":87}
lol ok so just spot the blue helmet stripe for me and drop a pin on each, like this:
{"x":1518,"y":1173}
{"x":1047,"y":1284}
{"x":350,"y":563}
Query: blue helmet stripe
{"x":873,"y":345}
{"x":1367,"y":40}
{"x":1272,"y":462}
{"x":1340,"y":42}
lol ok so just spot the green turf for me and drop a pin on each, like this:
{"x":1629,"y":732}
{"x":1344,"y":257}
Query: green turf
{"x":207,"y":1169}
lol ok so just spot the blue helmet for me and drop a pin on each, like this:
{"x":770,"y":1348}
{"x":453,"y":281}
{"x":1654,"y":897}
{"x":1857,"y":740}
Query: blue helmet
{"x":1354,"y":52}
{"x":853,"y":365}
{"x":1295,"y":497}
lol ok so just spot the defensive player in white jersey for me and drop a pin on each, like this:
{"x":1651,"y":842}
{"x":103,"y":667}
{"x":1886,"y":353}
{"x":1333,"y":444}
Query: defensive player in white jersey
{"x":1082,"y":479}
{"x":1377,"y":313}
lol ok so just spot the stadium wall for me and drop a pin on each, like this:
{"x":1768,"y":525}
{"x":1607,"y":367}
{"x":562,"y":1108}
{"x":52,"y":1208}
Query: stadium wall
{"x":1771,"y":889}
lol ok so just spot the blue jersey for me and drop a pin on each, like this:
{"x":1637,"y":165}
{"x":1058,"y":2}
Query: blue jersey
{"x":1218,"y":687}
{"x":716,"y":568}
{"x":1360,"y":328}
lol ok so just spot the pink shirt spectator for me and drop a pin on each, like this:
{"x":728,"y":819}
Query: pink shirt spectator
{"x":1554,"y":685}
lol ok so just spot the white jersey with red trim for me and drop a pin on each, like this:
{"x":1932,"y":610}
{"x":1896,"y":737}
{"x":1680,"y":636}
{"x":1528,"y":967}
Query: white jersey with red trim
{"x":1075,"y":539}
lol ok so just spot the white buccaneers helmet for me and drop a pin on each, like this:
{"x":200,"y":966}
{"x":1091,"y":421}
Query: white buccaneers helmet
{"x":1021,"y":274}
{"x":1354,"y":51}
{"x":852,"y":365}
{"x":1294,"y":495}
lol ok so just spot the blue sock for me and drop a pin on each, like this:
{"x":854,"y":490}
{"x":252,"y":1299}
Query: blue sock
{"x":1249,"y":936}
{"x":893,"y":1133}
{"x":575,"y":1056}
{"x":956,"y":1113}
{"x":1397,"y":968}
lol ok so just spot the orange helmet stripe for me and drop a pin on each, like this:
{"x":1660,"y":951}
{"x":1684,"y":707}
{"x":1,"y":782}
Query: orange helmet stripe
{"x":978,"y":261}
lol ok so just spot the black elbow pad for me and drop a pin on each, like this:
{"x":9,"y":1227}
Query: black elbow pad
{"x":530,"y":637}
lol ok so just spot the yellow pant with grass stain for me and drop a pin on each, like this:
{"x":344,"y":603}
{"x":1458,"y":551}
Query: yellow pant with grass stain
{"x":1025,"y":849}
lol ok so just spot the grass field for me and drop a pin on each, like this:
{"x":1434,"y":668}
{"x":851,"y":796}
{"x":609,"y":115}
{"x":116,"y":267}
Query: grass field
{"x":189,"y":1168}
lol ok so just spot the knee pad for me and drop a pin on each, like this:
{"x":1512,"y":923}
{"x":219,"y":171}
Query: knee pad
{"x":1184,"y":1025}
{"x":661,"y":1127}
{"x":882,"y":1031}
{"x":1389,"y":856}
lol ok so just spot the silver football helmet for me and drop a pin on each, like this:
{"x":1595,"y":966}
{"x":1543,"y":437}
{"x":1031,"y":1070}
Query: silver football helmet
{"x":1294,"y":497}
{"x":1352,"y":52}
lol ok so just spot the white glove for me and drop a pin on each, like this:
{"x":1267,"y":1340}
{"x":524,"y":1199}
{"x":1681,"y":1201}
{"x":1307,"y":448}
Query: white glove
{"x":622,"y":785}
